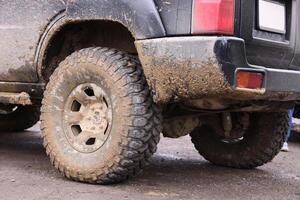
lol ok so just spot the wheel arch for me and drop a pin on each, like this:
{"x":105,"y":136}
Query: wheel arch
{"x":119,"y":22}
{"x":140,"y":17}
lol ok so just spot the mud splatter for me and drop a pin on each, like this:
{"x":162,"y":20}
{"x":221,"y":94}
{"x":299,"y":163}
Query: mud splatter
{"x":12,"y":98}
{"x":178,"y":69}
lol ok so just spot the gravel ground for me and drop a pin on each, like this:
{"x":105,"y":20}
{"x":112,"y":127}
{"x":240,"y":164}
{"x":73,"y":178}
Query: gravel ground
{"x":176,"y":172}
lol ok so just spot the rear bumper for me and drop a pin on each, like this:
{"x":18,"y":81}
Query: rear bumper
{"x":182,"y":68}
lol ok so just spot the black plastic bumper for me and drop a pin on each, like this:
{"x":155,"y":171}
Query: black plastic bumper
{"x":205,"y":67}
{"x":230,"y":53}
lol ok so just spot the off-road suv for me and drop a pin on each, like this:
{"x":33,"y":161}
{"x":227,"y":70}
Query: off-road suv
{"x":106,"y":74}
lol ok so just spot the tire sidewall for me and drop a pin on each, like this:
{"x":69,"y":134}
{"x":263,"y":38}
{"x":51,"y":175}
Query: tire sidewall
{"x":261,"y":142}
{"x":81,"y":73}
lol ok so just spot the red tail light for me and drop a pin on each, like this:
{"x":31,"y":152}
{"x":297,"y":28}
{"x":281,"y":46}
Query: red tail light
{"x":249,"y":80}
{"x":213,"y":16}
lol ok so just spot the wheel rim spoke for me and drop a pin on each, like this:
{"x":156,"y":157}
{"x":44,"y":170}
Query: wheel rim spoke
{"x":84,"y":136}
{"x":73,"y":117}
{"x":83,"y":98}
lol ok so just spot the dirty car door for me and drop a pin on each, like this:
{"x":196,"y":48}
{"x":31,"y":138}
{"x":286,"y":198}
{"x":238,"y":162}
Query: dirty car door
{"x":21,"y":24}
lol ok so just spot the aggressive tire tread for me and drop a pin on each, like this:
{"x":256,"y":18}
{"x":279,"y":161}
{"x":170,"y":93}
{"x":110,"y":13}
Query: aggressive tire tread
{"x":143,"y":134}
{"x":266,"y":141}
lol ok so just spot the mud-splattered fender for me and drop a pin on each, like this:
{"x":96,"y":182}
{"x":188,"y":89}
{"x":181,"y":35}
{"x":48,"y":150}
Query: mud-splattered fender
{"x":21,"y":25}
{"x":139,"y":16}
{"x":199,"y":67}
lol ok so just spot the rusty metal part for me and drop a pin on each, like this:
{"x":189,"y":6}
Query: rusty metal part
{"x":178,"y":127}
{"x":235,"y":125}
{"x":87,"y":117}
{"x":207,"y":104}
{"x":182,"y":110}
{"x":227,"y":123}
{"x":22,"y":98}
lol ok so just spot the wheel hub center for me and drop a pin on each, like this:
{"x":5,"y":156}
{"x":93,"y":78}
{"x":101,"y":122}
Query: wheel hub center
{"x":88,"y":118}
{"x":95,"y":118}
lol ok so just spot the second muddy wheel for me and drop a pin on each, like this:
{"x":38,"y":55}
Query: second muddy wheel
{"x":260,"y":143}
{"x":17,"y":117}
{"x":99,"y":122}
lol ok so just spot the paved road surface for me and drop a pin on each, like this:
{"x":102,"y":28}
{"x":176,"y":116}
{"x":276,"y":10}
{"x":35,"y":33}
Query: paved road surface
{"x":176,"y":172}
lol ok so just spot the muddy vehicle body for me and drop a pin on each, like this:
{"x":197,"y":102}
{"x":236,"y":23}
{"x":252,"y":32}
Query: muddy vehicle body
{"x":107,"y":77}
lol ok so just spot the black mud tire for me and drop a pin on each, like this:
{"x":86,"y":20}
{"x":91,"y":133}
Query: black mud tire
{"x":261,"y":143}
{"x":136,"y":123}
{"x":23,"y":117}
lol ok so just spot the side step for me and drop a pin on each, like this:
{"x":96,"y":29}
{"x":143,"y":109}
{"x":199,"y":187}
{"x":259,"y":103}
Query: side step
{"x":22,"y":98}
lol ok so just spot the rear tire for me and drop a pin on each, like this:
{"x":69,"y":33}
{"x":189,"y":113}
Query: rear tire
{"x":129,"y":127}
{"x":261,"y":143}
{"x":19,"y":118}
